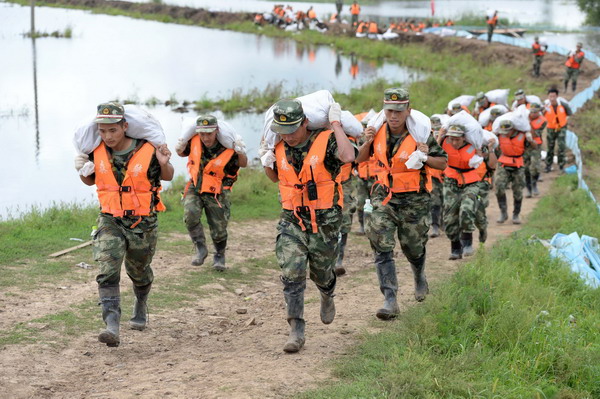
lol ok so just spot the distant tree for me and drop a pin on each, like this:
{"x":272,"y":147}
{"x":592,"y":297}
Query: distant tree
{"x":592,"y":9}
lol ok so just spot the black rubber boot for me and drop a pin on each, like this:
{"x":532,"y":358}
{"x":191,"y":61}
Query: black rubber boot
{"x":140,"y":308}
{"x":466,"y":241}
{"x":566,"y":85}
{"x":455,"y":250}
{"x":503,"y":208}
{"x":516,"y":212}
{"x":421,"y":286}
{"x":574,"y":86}
{"x":388,"y":284}
{"x":528,"y":185}
{"x":197,"y":236}
{"x":534,"y":188}
{"x":110,"y":300}
{"x":339,"y":268}
{"x":293,"y":293}
{"x":482,"y":235}
{"x":219,"y":257}
{"x":435,"y":221}
{"x":327,"y":303}
{"x":361,"y":221}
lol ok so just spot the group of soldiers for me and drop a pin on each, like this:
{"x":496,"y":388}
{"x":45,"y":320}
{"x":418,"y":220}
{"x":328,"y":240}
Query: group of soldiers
{"x":324,"y":177}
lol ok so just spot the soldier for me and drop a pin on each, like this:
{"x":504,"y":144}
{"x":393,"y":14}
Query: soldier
{"x":354,"y":12}
{"x":127,"y":173}
{"x":485,"y":186}
{"x":306,"y":164}
{"x":400,"y":197}
{"x":520,"y":99}
{"x":573,"y":65}
{"x":481,"y":104}
{"x":494,"y":114}
{"x":339,"y":4}
{"x":364,"y":182}
{"x":539,"y":51}
{"x":511,"y":170}
{"x":492,"y":21}
{"x":557,"y":114}
{"x":456,"y":108}
{"x":533,"y":150}
{"x":437,"y":181}
{"x":212,"y":169}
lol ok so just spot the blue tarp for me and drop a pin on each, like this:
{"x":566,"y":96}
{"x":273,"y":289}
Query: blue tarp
{"x":580,"y":253}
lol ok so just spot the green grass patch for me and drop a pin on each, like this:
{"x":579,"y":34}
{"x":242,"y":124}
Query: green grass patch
{"x":512,"y":323}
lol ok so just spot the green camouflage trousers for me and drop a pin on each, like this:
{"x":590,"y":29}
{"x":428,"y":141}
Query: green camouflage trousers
{"x":460,"y":206}
{"x":483,"y":195}
{"x":113,"y":243}
{"x":297,"y":249}
{"x":557,"y":137}
{"x":408,"y":215}
{"x":217,"y":216}
{"x":537,"y":64}
{"x":363,"y":191}
{"x":572,"y":74}
{"x":532,"y":158}
{"x":515,"y":177}
{"x":437,"y":193}
{"x":349,"y":187}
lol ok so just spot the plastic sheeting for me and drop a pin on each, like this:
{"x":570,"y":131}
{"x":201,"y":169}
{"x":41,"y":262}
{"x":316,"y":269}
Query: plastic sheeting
{"x":580,"y":253}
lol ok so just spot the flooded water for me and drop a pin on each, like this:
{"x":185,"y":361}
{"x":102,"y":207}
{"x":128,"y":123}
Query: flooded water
{"x":50,"y":85}
{"x":552,"y":13}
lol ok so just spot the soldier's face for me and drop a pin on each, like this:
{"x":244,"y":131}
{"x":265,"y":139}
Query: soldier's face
{"x":209,"y":139}
{"x":456,"y":142}
{"x":112,"y":134}
{"x":552,"y":97}
{"x":533,"y":114}
{"x":298,"y":137}
{"x":396,"y":119}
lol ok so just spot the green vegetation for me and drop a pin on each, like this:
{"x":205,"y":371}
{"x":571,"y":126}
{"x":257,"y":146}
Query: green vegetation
{"x":513,"y":323}
{"x":66,"y":33}
{"x":592,"y":9}
{"x":586,"y":123}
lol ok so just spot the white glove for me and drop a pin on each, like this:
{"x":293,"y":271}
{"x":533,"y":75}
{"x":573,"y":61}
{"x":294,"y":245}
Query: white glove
{"x":529,"y":136}
{"x":268,"y":159}
{"x":239,"y":146}
{"x":416,"y":160}
{"x":181,"y":145}
{"x":80,"y":160}
{"x":475,"y":161}
{"x":88,"y":169}
{"x":335,"y":113}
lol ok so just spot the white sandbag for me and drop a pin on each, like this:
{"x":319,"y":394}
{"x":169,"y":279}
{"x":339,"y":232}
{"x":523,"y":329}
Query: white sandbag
{"x":484,"y":117}
{"x":443,"y":117}
{"x":561,"y":100}
{"x":518,"y":118}
{"x":141,"y":125}
{"x":292,"y":28}
{"x":471,"y":125}
{"x":351,"y":125}
{"x":487,"y":136}
{"x":368,"y":116}
{"x":498,"y":96}
{"x":361,"y":35}
{"x":226,"y":135}
{"x":464,"y":100}
{"x":417,"y":123}
{"x":530,"y":100}
{"x":389,"y":35}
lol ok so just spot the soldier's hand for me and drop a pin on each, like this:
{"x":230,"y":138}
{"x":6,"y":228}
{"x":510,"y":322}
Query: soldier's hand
{"x":369,"y":134}
{"x":423,"y":147}
{"x":163,"y":154}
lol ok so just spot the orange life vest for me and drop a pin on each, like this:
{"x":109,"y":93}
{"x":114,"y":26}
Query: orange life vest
{"x":558,"y":119}
{"x":135,"y":195}
{"x":354,"y":9}
{"x":361,"y":27}
{"x":214,"y":170}
{"x":537,"y":48}
{"x":346,"y":169}
{"x":458,"y":164}
{"x":481,"y":109}
{"x":312,"y":14}
{"x":571,"y":63}
{"x":493,"y":21}
{"x":373,"y":27}
{"x":293,"y":187}
{"x":512,"y":149}
{"x":536,"y":125}
{"x":403,"y":179}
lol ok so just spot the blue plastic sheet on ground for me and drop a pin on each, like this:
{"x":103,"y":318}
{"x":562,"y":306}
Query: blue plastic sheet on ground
{"x":580,"y":253}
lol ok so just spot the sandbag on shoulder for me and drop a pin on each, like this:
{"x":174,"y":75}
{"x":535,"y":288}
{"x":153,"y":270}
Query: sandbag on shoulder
{"x":472,"y":127}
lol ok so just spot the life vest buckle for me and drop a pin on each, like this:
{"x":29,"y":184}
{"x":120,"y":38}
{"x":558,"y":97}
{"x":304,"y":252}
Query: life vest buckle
{"x":129,"y":213}
{"x":125,"y":189}
{"x":299,"y":186}
{"x":302,"y":209}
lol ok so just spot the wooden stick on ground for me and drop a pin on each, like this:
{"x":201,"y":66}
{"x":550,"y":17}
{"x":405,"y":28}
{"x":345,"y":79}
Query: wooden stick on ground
{"x":66,"y":251}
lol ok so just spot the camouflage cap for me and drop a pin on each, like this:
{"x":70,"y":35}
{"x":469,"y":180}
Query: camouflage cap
{"x":111,"y":112}
{"x":496,"y":111}
{"x":288,"y":115}
{"x":519,"y":94}
{"x":396,"y":99}
{"x":456,"y":131}
{"x":535,"y":107}
{"x":436,"y":122}
{"x":456,"y":108}
{"x":206,"y":124}
{"x":506,"y":126}
{"x":480,"y":96}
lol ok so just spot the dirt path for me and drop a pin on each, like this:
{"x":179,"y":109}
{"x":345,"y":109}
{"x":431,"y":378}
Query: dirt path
{"x":209,"y":350}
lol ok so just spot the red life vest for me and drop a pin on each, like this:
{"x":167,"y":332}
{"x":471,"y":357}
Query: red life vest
{"x":214,"y":170}
{"x":458,"y":164}
{"x":135,"y":195}
{"x":403,"y":179}
{"x":512,"y":150}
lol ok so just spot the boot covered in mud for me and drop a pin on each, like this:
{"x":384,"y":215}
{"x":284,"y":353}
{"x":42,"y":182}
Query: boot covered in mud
{"x":421,"y":286}
{"x":219,"y":257}
{"x":339,"y":265}
{"x":388,"y":284}
{"x":293,"y":293}
{"x":503,"y":208}
{"x":466,"y":240}
{"x":110,"y":300}
{"x":516,"y":211}
{"x":455,"y":250}
{"x":483,"y":235}
{"x":327,"y":303}
{"x":199,"y":241}
{"x":361,"y":221}
{"x":140,"y":308}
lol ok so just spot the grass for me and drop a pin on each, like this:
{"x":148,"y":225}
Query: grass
{"x":67,"y":33}
{"x":586,"y":123}
{"x":512,"y":323}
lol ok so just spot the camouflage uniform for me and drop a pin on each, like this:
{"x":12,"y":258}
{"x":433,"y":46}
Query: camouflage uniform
{"x":556,"y":138}
{"x":515,"y":177}
{"x":483,"y":201}
{"x":573,"y":73}
{"x":350,"y":203}
{"x":460,"y":205}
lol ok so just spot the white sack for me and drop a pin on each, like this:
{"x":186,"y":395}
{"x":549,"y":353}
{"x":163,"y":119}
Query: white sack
{"x":226,"y":135}
{"x":560,"y":100}
{"x":418,"y":124}
{"x":487,"y":136}
{"x":443,"y":117}
{"x":484,"y":117}
{"x":142,"y":125}
{"x":351,"y":125}
{"x":368,"y":116}
{"x":475,"y":161}
{"x":498,"y":96}
{"x":518,"y":118}
{"x":464,"y":100}
{"x":472,"y":126}
{"x":530,"y":100}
